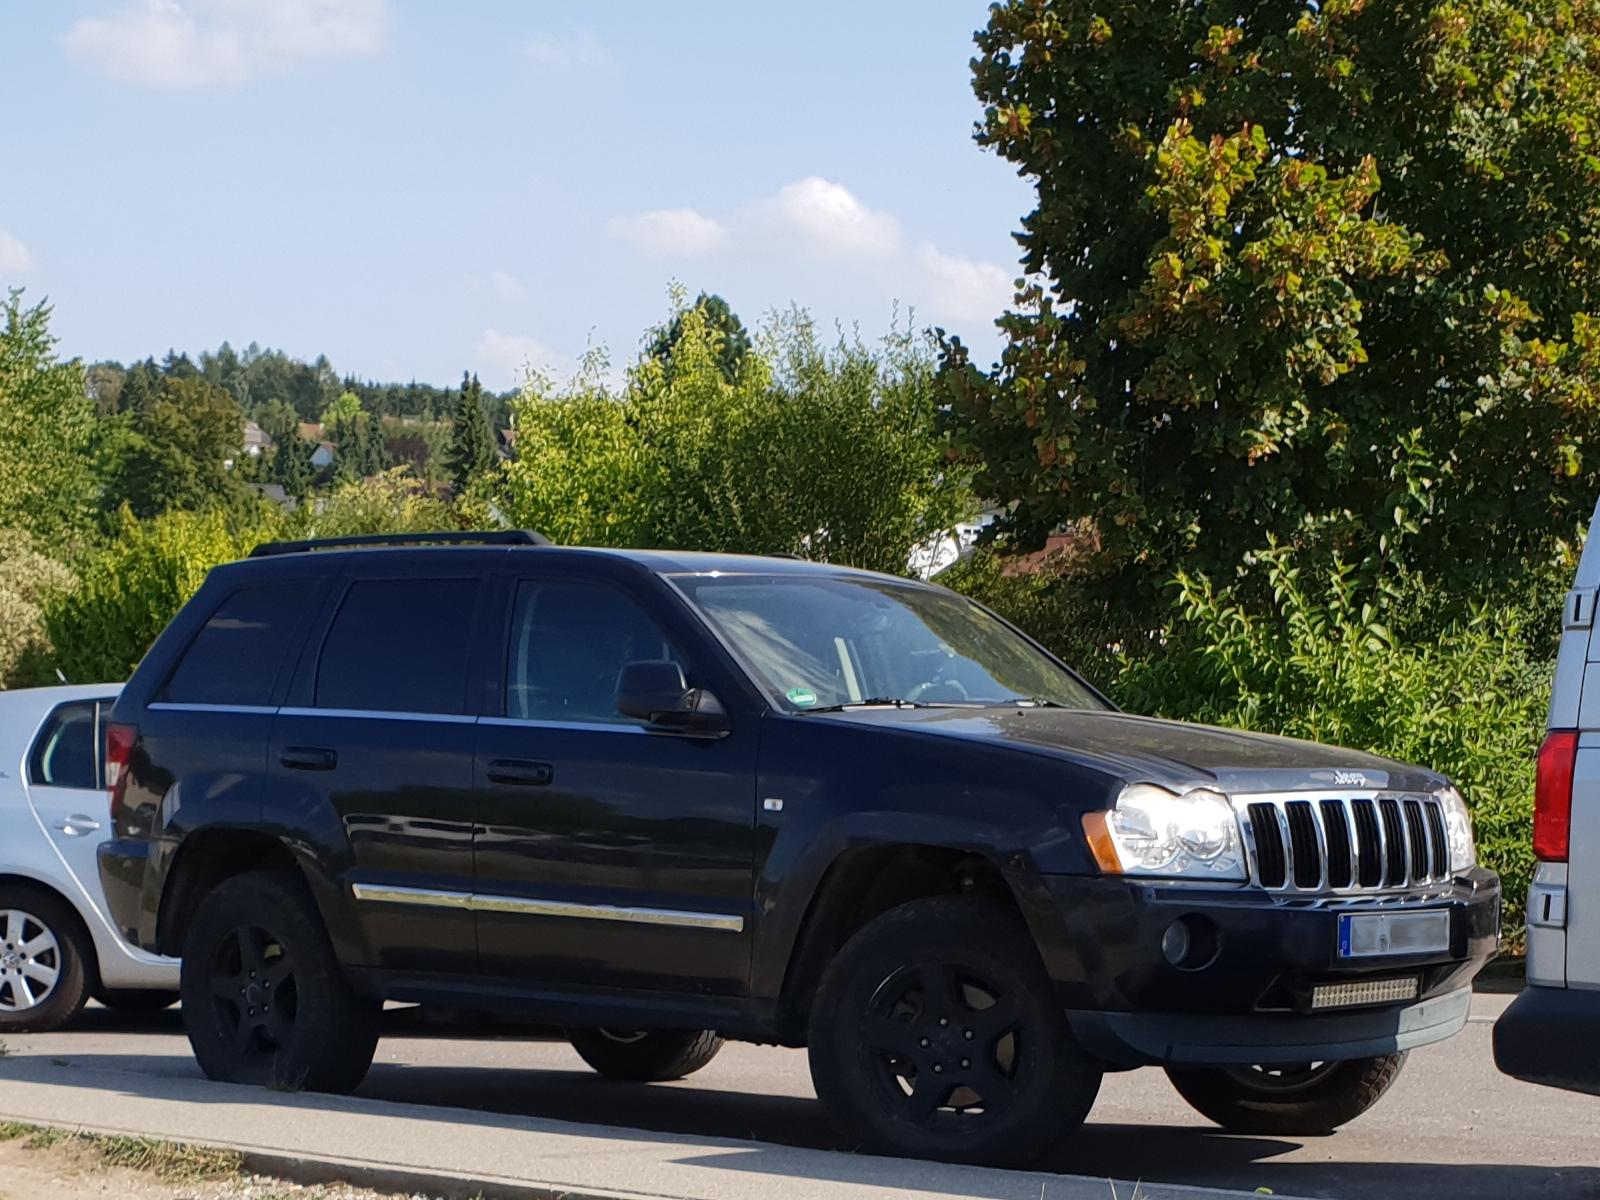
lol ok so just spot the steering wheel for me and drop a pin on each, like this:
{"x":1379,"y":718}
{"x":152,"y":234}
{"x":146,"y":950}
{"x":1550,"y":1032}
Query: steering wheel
{"x":922,"y":689}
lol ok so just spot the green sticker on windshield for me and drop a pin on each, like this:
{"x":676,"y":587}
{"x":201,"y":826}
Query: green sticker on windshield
{"x":804,"y":697}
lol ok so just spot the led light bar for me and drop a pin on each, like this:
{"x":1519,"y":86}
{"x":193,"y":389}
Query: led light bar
{"x":1368,"y":991}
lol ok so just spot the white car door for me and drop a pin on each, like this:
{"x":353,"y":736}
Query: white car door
{"x":65,"y":786}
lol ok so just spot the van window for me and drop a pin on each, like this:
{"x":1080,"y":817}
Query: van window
{"x":569,"y":642}
{"x":236,"y":657}
{"x":399,"y":645}
{"x":67,"y":751}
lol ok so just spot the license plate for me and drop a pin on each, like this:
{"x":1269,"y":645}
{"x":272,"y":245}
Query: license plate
{"x":1367,"y":935}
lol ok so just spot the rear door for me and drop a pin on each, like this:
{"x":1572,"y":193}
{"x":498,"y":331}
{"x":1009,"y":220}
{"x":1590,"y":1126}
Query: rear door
{"x":65,"y":787}
{"x":378,"y":738}
{"x":1564,"y":903}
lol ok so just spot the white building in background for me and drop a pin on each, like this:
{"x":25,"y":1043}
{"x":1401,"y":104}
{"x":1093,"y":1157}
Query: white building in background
{"x":948,"y":547}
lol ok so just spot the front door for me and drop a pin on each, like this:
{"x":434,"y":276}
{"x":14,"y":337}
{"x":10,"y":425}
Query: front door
{"x":606,"y":853}
{"x":379,"y":736}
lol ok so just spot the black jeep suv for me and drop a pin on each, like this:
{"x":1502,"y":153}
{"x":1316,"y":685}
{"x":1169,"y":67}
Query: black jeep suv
{"x":663,"y":799}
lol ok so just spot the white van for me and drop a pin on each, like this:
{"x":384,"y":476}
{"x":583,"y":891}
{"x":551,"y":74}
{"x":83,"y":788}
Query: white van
{"x":1551,"y":1033}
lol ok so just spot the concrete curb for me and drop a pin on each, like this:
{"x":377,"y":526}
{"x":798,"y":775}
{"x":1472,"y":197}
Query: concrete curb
{"x":460,"y":1153}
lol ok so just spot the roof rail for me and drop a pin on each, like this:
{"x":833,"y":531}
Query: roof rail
{"x":494,"y":537}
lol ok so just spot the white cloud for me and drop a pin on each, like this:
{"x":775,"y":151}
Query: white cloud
{"x":963,"y":289}
{"x":14,"y":256}
{"x":826,"y":218}
{"x":669,"y":231}
{"x":819,"y":220}
{"x":197,"y":43}
{"x":509,"y":357}
{"x":504,"y":286}
{"x":582,"y":51}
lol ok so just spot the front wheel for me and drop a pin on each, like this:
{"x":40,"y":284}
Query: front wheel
{"x":264,"y":999}
{"x":935,"y":1034}
{"x":1287,"y":1101}
{"x":645,"y":1055}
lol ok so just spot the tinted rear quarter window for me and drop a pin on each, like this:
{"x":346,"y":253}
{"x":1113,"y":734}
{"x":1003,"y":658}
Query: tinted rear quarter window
{"x":67,"y":751}
{"x":399,"y":645}
{"x":236,"y":656}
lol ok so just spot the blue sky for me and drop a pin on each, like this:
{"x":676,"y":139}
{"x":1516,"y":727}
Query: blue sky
{"x":415,"y":189}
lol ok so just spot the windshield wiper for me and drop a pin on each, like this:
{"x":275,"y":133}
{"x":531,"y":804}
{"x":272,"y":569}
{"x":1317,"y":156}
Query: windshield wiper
{"x":875,"y":702}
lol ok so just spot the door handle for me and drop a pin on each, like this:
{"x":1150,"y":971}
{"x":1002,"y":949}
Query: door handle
{"x":308,"y":758}
{"x":520,"y":773}
{"x":77,"y":825}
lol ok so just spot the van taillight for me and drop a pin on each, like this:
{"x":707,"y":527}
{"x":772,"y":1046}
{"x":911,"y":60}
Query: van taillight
{"x":119,"y":748}
{"x":1552,"y":795}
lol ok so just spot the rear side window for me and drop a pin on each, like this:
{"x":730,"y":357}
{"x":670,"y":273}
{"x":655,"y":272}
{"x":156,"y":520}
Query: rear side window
{"x":399,"y":645}
{"x":236,"y":657}
{"x":67,"y":751}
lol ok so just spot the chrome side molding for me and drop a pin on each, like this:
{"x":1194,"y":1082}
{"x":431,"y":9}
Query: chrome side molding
{"x":532,"y":907}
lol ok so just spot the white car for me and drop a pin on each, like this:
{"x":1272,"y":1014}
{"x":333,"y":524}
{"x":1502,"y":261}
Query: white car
{"x":59,"y":946}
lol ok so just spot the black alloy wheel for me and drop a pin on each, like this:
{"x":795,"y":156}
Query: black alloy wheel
{"x":935,"y":1034}
{"x":264,"y":999}
{"x":1287,"y":1100}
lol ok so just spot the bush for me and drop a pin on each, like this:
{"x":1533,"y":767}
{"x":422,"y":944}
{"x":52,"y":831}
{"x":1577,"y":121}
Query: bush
{"x":1467,"y":701}
{"x":128,"y":590}
{"x":830,"y":453}
{"x":27,"y":580}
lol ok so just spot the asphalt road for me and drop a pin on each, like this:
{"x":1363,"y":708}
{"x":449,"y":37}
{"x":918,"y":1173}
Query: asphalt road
{"x":1452,"y":1126}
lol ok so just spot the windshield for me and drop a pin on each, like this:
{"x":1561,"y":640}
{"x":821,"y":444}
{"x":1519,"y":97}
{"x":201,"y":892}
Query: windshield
{"x":819,"y":642}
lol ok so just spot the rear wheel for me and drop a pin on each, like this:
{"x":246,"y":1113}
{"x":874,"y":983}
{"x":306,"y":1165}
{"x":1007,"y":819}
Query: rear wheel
{"x":264,"y":999}
{"x":646,"y":1055}
{"x":935,"y":1034}
{"x":1287,"y":1101}
{"x":44,"y":961}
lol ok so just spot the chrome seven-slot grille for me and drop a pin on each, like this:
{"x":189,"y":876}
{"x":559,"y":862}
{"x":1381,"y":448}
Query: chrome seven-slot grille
{"x":1344,"y":843}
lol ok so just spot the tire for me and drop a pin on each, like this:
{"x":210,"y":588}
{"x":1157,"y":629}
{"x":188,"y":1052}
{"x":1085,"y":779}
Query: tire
{"x":264,"y":999}
{"x":46,"y":961}
{"x":647,"y":1056}
{"x":935,"y":1034}
{"x":1293,"y":1101}
{"x":135,"y":1000}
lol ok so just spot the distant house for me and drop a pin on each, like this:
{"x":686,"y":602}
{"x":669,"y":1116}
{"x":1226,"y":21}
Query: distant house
{"x":323,"y":455}
{"x":256,"y":439}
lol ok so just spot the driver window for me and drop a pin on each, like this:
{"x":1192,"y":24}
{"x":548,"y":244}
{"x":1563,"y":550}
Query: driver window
{"x":569,"y":642}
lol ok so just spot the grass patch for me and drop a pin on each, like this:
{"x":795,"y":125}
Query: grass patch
{"x":173,"y":1162}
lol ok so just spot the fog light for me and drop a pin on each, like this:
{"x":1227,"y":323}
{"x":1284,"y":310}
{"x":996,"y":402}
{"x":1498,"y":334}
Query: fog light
{"x":1368,"y":991}
{"x":1175,"y":943}
{"x":1190,"y":943}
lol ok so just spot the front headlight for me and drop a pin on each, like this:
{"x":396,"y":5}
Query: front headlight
{"x":1458,"y":829}
{"x":1152,"y":831}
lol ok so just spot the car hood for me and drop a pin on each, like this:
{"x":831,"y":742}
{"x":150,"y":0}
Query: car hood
{"x":1147,"y":749}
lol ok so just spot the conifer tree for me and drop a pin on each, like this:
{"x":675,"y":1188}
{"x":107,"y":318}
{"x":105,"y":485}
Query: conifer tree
{"x":472,"y":448}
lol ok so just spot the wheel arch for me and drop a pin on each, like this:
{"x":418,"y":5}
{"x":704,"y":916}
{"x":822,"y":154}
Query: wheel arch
{"x":863,"y":882}
{"x":207,"y":858}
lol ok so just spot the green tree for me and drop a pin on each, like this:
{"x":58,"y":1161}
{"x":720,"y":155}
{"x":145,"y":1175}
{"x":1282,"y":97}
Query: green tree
{"x":357,"y":439}
{"x":826,"y":452}
{"x":1320,"y":272}
{"x":184,"y":436}
{"x":472,"y":445}
{"x":47,"y":429}
{"x":733,"y":341}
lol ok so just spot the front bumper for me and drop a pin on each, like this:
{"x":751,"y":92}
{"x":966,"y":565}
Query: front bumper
{"x":1251,"y":1002}
{"x":1551,"y":1035}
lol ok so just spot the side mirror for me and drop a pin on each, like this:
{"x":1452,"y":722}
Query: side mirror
{"x":657,"y":692}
